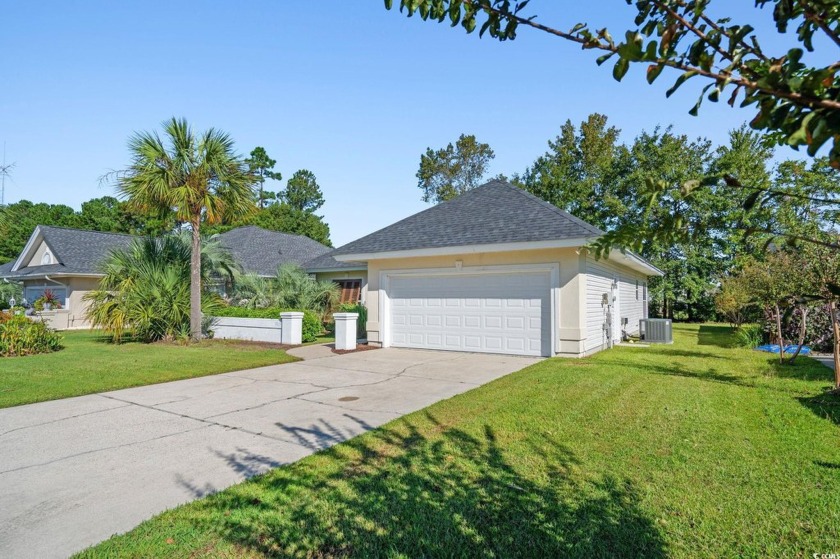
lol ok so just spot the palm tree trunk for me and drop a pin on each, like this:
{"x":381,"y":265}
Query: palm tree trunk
{"x":195,"y":281}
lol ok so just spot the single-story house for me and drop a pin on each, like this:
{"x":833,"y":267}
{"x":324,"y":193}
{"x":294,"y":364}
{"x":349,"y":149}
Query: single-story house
{"x":68,"y":263}
{"x":498,"y":270}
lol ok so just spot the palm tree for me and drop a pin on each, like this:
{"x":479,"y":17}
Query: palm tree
{"x":145,"y":287}
{"x":199,"y":177}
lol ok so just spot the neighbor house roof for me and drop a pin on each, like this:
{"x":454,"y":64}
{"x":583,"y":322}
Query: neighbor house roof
{"x":327,"y":263}
{"x":491,"y":214}
{"x":74,"y":252}
{"x":260,"y":251}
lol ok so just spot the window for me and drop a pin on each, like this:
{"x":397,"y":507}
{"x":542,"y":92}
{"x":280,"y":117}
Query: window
{"x":34,"y":293}
{"x":46,"y":259}
{"x":644,"y":292}
{"x":351,"y":290}
{"x":637,"y":290}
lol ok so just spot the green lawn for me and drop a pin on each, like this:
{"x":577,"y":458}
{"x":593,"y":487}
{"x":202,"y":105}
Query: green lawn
{"x":689,"y":450}
{"x":89,"y":363}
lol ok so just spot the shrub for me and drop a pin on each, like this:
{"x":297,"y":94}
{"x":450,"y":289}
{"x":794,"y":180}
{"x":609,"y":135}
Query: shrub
{"x":361,"y":323}
{"x":146,"y":289}
{"x":749,"y":336}
{"x":20,"y":336}
{"x":312,"y":326}
{"x":291,"y":288}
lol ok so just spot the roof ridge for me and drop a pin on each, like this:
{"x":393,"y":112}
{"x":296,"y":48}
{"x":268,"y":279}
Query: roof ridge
{"x":64,"y":228}
{"x":272,"y":231}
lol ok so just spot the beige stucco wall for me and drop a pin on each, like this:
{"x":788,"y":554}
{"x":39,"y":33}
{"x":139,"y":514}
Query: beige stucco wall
{"x":74,"y":313}
{"x":571,"y":332}
{"x":349,"y":274}
{"x":38,"y":255}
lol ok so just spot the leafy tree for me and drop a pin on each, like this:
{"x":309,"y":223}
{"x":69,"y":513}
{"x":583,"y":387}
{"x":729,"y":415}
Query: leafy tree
{"x":199,"y":177}
{"x":450,"y":171}
{"x":778,"y":285}
{"x":302,"y":192}
{"x":284,"y":218}
{"x":579,"y":171}
{"x":22,"y":217}
{"x":146,"y":288}
{"x":823,"y":276}
{"x":734,"y":300}
{"x":261,"y":165}
{"x":797,"y":104}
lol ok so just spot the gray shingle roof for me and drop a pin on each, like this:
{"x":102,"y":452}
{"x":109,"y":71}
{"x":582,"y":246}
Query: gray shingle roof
{"x":75,"y":251}
{"x":326,"y":262}
{"x":496,"y":212}
{"x":260,"y":251}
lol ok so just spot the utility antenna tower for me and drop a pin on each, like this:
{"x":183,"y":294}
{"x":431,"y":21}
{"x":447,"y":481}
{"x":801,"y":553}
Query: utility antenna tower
{"x":4,"y":172}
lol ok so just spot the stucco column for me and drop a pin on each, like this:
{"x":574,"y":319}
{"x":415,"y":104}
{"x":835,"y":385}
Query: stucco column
{"x":291,"y":328}
{"x":345,"y":330}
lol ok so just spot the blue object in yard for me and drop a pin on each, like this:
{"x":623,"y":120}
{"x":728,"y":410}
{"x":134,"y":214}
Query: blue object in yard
{"x":789,"y":349}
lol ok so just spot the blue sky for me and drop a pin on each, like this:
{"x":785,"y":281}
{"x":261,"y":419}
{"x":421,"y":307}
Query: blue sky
{"x":346,"y":89}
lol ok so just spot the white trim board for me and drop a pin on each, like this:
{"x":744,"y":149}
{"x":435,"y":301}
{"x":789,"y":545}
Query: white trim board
{"x":466,"y":249}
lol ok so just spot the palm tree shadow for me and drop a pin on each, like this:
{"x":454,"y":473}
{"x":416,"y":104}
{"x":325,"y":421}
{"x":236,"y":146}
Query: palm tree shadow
{"x":439,"y":491}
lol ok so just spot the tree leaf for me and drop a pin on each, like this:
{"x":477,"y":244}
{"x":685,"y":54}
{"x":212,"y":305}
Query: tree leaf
{"x":653,"y":72}
{"x":620,"y":68}
{"x":680,"y":80}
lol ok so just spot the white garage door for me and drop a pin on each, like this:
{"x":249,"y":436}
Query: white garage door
{"x":491,"y":313}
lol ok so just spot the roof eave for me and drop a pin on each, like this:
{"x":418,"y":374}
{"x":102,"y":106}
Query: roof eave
{"x":336,"y":269}
{"x":31,"y":244}
{"x":635,"y":262}
{"x":466,"y":249}
{"x":22,"y":277}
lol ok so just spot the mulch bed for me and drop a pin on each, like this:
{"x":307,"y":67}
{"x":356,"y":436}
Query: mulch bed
{"x":359,"y":347}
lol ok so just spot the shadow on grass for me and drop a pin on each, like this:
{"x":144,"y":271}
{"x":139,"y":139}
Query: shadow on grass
{"x":439,"y":491}
{"x":715,"y":335}
{"x":825,"y":405}
{"x":659,"y":350}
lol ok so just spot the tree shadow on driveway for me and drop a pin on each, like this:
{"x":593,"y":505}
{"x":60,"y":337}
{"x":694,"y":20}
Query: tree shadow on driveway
{"x":421,"y":488}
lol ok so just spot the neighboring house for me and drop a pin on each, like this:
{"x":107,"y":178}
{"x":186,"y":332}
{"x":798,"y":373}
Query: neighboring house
{"x":65,"y":261}
{"x":498,"y":270}
{"x":261,"y":252}
{"x":68,"y":262}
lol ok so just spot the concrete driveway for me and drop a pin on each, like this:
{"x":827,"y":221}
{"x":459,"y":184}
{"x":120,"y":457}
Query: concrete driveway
{"x":73,"y":472}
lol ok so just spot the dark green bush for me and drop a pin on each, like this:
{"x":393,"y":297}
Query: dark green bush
{"x":20,"y":336}
{"x":312,"y":326}
{"x":361,"y":323}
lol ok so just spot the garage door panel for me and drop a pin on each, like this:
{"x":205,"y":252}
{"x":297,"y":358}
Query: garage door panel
{"x":499,"y":313}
